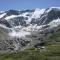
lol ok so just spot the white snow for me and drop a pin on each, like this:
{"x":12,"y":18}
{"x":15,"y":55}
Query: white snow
{"x":21,"y":33}
{"x":16,"y":46}
{"x":54,"y":23}
{"x":56,"y":7}
{"x":10,"y":17}
{"x":38,"y":12}
{"x":2,"y":11}
{"x":36,"y":27}
{"x":17,"y":26}
{"x":52,"y":8}
{"x":2,"y":15}
{"x":48,"y":10}
{"x":13,"y":16}
{"x":3,"y":26}
{"x":24,"y":14}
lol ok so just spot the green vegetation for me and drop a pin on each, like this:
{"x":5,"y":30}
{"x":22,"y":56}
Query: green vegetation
{"x":50,"y":52}
{"x":23,"y":55}
{"x":55,"y":36}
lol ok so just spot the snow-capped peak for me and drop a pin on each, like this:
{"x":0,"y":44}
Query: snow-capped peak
{"x":52,"y":8}
{"x":56,"y":7}
{"x":38,"y":12}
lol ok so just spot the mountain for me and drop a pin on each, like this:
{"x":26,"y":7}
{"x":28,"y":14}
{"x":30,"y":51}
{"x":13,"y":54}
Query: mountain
{"x":24,"y":29}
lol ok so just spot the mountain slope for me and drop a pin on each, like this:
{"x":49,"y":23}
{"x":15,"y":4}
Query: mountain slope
{"x":24,"y":29}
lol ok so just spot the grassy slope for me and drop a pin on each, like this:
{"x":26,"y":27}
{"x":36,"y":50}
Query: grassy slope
{"x":51,"y":52}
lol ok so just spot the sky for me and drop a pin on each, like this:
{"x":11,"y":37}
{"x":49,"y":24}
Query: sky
{"x":27,"y":4}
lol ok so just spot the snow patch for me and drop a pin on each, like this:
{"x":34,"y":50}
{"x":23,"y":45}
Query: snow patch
{"x":2,"y":15}
{"x":3,"y":26}
{"x":10,"y":17}
{"x":38,"y":12}
{"x":52,"y":8}
{"x":19,"y":34}
{"x":2,"y":11}
{"x":54,"y":23}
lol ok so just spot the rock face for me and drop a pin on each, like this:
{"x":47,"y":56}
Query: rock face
{"x":23,"y":29}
